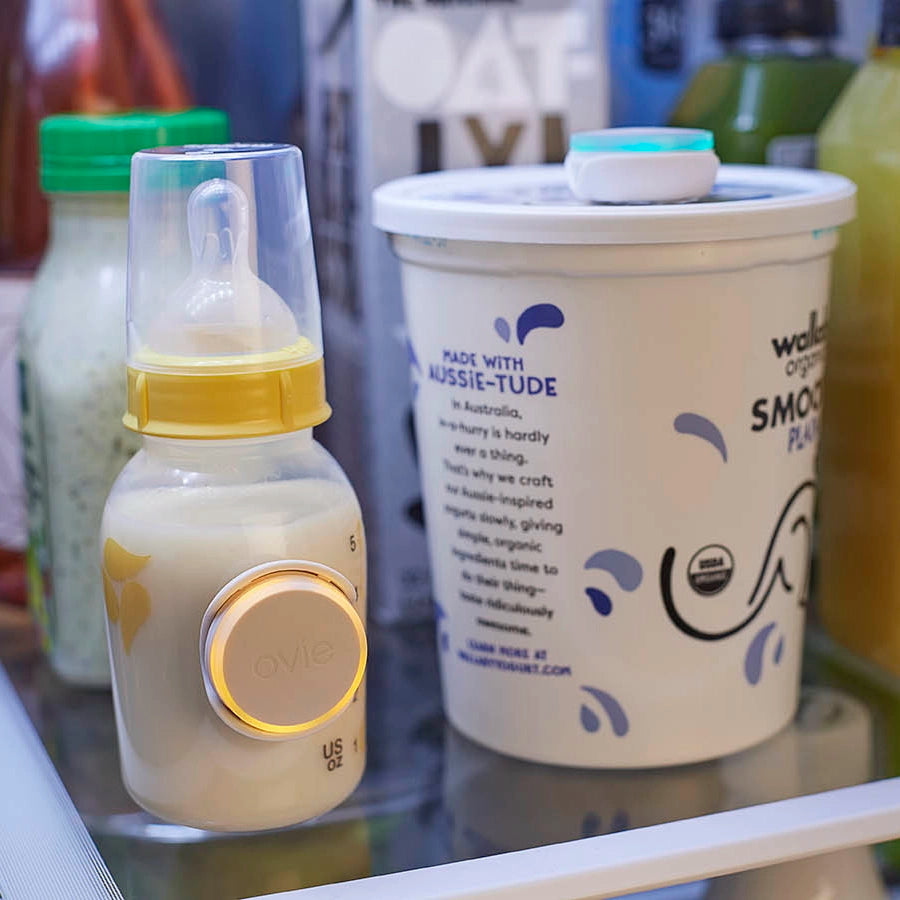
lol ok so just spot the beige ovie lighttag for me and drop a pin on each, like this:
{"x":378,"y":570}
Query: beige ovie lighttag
{"x":283,"y":649}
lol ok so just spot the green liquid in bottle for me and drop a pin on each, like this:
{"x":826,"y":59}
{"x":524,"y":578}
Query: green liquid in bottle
{"x":765,"y":100}
{"x":763,"y":109}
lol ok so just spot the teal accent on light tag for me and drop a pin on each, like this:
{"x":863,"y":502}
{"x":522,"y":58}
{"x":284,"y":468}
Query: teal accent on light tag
{"x":641,"y":140}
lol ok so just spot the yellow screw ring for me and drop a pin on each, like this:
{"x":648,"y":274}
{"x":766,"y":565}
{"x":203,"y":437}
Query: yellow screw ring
{"x":227,"y":404}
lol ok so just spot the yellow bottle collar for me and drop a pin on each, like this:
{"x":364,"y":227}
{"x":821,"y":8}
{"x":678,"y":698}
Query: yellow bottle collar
{"x":207,"y":402}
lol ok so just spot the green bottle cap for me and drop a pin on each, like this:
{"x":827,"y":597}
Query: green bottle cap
{"x":93,"y":152}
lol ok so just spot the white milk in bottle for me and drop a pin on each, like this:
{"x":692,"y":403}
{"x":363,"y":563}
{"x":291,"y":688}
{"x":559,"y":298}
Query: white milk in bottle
{"x":232,"y":545}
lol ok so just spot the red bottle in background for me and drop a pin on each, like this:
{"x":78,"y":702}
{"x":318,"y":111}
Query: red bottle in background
{"x":56,"y":56}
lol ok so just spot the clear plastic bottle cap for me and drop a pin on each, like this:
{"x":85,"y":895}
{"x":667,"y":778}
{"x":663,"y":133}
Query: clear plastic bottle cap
{"x":224,"y":324}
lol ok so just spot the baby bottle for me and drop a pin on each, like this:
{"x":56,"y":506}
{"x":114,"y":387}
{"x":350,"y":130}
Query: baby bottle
{"x":232,"y":546}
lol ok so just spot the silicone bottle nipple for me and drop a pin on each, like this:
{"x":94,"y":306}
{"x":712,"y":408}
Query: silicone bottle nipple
{"x":222,"y":309}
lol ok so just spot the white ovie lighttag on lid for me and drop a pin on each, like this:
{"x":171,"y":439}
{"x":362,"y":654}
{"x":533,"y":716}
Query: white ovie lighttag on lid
{"x":641,"y":165}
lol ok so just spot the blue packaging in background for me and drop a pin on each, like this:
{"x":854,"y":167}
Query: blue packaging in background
{"x":655,"y":46}
{"x":245,"y":57}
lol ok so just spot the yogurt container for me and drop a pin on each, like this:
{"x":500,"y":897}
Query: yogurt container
{"x":617,"y":415}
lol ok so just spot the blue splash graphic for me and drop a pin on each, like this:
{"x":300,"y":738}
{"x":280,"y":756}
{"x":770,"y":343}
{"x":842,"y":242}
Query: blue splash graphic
{"x":591,"y":825}
{"x":620,"y":822}
{"x":622,"y":566}
{"x":439,"y":615}
{"x":611,"y":707}
{"x":600,"y":600}
{"x":501,"y":326}
{"x":416,"y":368}
{"x":541,"y":315}
{"x":701,"y":427}
{"x":589,"y":720}
{"x":411,"y":354}
{"x":779,"y":650}
{"x":753,"y":661}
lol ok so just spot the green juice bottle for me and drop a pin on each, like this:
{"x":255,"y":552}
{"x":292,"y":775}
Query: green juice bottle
{"x":765,"y":100}
{"x":859,"y":597}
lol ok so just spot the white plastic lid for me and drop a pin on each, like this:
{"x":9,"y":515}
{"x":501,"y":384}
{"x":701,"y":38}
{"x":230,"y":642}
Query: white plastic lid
{"x":534,"y":205}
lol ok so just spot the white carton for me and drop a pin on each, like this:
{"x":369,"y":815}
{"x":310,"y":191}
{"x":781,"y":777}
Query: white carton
{"x":398,"y":88}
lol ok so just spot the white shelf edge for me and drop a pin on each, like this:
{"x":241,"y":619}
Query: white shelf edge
{"x":45,"y":849}
{"x":648,"y":858}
